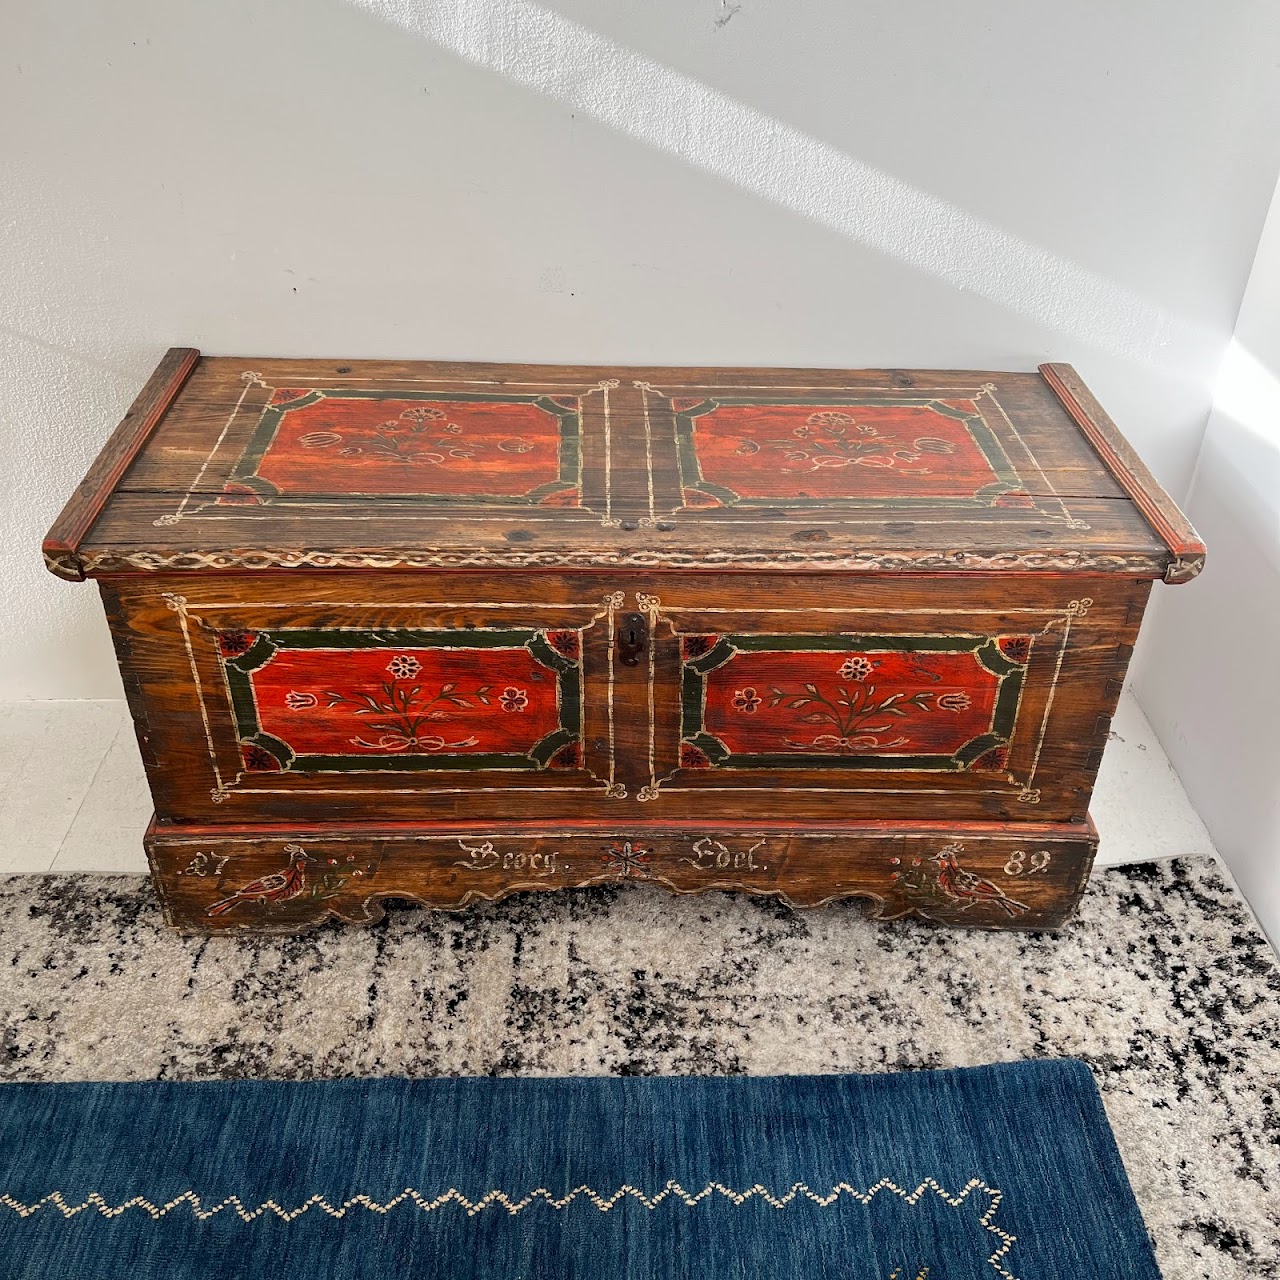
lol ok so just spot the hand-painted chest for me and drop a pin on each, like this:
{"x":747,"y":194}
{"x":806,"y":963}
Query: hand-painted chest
{"x":445,"y":631}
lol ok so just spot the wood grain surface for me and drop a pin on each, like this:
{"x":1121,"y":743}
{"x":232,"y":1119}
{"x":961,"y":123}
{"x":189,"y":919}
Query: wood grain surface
{"x":1124,"y":463}
{"x":62,"y":542}
{"x":171,"y":635}
{"x":282,"y":880}
{"x":262,"y":464}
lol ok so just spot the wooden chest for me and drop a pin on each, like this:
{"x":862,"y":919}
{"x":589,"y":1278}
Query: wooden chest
{"x":441,"y":632}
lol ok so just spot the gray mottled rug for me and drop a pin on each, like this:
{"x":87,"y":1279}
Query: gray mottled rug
{"x":1163,"y":984}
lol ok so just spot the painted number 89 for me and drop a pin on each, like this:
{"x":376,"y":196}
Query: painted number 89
{"x":1018,"y":864}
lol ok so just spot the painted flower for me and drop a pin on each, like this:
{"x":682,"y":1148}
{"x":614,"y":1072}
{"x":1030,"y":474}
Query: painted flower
{"x":828,"y":418}
{"x":396,"y":427}
{"x":746,"y":700}
{"x":855,"y":668}
{"x":695,"y":646}
{"x":568,"y":644}
{"x":287,"y":393}
{"x":319,"y":439}
{"x":993,"y":761}
{"x":422,"y":413}
{"x":568,"y":757}
{"x":957,"y":701}
{"x":404,"y":667}
{"x":627,"y":859}
{"x":257,"y":760}
{"x":231,"y":644}
{"x":1016,"y":648}
{"x":513,"y":699}
{"x":299,"y":701}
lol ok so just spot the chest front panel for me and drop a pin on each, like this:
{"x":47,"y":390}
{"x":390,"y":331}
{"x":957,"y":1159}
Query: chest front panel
{"x":462,"y":694}
{"x":343,"y":699}
{"x":790,"y":701}
{"x":330,"y":693}
{"x":883,"y":698}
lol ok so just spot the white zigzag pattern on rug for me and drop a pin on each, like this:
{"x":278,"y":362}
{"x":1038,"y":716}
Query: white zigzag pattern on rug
{"x":672,"y":1190}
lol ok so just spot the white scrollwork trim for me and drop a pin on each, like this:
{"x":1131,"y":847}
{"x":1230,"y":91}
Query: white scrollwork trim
{"x":856,"y":561}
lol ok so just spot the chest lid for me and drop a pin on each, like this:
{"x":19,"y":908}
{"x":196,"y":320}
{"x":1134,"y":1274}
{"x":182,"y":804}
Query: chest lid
{"x":230,"y":463}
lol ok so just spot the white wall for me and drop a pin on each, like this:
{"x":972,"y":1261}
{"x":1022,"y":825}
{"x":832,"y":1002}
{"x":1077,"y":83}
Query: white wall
{"x":832,"y":182}
{"x":1211,"y":680}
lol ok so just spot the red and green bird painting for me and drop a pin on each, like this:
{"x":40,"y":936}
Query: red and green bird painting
{"x":278,"y":886}
{"x":966,"y":887}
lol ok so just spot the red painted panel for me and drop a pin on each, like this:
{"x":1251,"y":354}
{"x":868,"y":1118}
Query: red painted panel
{"x":380,"y":446}
{"x":351,"y":702}
{"x":854,"y":451}
{"x":825,"y":703}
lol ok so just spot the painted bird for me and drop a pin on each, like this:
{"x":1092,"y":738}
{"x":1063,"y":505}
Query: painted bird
{"x":279,"y":886}
{"x":967,"y":888}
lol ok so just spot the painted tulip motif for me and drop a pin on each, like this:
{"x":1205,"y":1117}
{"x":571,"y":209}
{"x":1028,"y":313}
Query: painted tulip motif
{"x":835,"y":439}
{"x":401,"y":713}
{"x":858,"y":717}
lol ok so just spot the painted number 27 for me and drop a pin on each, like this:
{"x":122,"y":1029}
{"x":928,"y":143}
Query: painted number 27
{"x":204,"y":864}
{"x":1018,"y":865}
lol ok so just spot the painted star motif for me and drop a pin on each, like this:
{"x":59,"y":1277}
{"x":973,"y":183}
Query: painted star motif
{"x":630,"y":861}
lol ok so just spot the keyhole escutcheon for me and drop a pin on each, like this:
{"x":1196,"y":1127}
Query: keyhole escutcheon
{"x":633,"y":634}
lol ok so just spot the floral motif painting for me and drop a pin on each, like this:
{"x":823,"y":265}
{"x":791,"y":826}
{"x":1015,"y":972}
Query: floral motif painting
{"x":325,"y":701}
{"x":870,"y":702}
{"x":851,"y":452}
{"x":459,"y":447}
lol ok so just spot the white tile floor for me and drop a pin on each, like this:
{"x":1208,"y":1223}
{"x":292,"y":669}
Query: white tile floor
{"x":73,"y":796}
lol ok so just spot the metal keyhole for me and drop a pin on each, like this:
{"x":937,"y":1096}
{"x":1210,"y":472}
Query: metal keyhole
{"x":633,"y":632}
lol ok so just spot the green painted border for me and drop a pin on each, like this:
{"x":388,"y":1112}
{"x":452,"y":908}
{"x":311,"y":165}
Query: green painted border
{"x":988,"y":443}
{"x":569,"y":479}
{"x":984,"y":648}
{"x":238,"y":672}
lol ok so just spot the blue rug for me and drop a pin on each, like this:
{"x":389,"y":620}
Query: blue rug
{"x":949,"y":1175}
